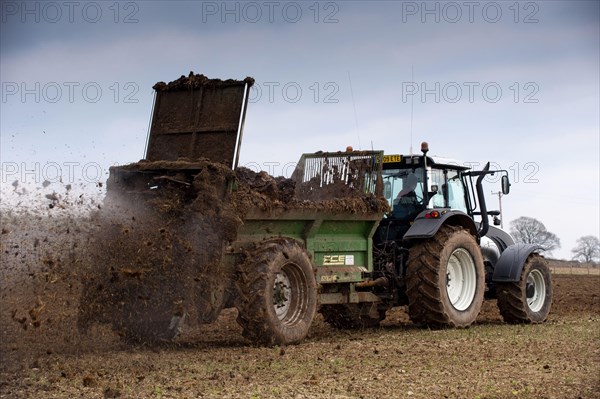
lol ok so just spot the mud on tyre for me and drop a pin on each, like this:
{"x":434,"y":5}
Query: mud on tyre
{"x":445,"y":279}
{"x":529,"y":299}
{"x":277,"y":293}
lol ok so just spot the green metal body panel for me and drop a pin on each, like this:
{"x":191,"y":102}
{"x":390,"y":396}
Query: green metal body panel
{"x":340,"y":245}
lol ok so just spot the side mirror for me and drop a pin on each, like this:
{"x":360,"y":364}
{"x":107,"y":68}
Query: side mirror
{"x":505,"y":185}
{"x":387,"y":189}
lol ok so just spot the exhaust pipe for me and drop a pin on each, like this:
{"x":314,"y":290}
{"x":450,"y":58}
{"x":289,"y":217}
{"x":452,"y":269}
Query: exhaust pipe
{"x":485,"y":224}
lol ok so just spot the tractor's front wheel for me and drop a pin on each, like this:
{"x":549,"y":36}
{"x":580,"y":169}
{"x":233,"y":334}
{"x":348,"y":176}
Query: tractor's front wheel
{"x":445,"y":279}
{"x":529,"y":299}
{"x":277,"y":294}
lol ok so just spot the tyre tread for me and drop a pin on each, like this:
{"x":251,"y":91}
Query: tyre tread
{"x":511,"y":296}
{"x":426,"y":305}
{"x":251,"y":286}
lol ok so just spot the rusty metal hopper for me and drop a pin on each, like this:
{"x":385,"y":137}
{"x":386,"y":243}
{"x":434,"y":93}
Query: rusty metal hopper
{"x":196,"y":117}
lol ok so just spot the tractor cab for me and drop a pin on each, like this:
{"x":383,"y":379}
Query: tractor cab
{"x":410,"y":187}
{"x":421,"y":187}
{"x":415,"y":183}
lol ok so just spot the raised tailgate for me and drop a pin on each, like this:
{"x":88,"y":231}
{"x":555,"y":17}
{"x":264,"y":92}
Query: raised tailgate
{"x":196,"y":117}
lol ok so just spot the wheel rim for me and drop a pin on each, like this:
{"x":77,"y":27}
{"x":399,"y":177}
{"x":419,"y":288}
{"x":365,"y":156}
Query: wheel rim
{"x":535,"y":290}
{"x":289,"y":294}
{"x":461,"y":279}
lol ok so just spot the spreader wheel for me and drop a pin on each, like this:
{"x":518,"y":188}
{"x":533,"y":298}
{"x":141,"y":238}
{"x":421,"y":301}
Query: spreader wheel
{"x":277,"y":294}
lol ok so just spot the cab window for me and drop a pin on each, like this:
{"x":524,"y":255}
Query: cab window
{"x":437,"y":180}
{"x":403,"y":188}
{"x":456,"y":192}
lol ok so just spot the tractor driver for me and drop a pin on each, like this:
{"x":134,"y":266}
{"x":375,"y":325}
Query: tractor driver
{"x":406,"y":202}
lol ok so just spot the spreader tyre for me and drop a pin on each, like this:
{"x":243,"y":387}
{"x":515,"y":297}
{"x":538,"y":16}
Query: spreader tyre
{"x":445,"y":279}
{"x":529,"y":299}
{"x":277,"y":294}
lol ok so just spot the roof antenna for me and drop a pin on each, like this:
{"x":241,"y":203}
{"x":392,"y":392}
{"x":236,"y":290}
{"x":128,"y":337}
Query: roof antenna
{"x":354,"y":106}
{"x":412,"y":106}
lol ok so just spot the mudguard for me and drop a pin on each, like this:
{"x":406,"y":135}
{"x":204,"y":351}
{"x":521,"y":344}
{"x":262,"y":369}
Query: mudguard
{"x":501,"y":238}
{"x":424,"y":227}
{"x":511,"y":262}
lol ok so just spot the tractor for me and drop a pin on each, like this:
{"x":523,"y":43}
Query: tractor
{"x":437,"y":253}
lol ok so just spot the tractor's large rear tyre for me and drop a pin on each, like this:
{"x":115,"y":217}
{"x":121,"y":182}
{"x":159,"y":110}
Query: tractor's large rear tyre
{"x":277,"y":294}
{"x":445,"y":279}
{"x":529,"y":299}
{"x":353,"y":315}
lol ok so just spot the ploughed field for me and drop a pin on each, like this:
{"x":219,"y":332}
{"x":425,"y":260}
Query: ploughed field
{"x":558,"y":359}
{"x":49,"y":258}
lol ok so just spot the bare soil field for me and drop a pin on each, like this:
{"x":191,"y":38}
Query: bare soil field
{"x":46,"y":257}
{"x":558,"y":359}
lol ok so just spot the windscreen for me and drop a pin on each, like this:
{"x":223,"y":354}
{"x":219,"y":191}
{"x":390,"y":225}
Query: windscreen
{"x":403,"y":189}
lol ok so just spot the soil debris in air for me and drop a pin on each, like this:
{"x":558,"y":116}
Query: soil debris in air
{"x":80,"y":275}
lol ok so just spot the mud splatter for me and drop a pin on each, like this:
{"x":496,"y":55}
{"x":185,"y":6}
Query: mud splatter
{"x":79,"y":275}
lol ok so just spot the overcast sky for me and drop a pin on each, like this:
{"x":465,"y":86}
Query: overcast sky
{"x":512,"y":83}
